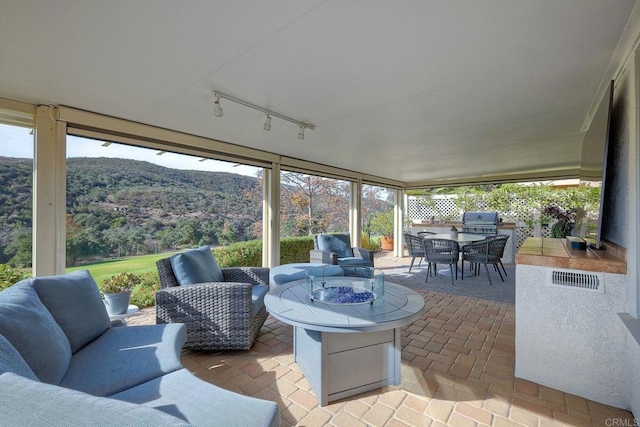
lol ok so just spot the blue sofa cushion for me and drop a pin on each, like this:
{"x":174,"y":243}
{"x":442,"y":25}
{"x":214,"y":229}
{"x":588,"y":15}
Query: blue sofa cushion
{"x":257,"y":298}
{"x":27,"y":324}
{"x":336,"y":243}
{"x":184,"y":396}
{"x":25,"y":402}
{"x":11,"y":361}
{"x":75,"y":303}
{"x":125,"y":357}
{"x":196,"y":266}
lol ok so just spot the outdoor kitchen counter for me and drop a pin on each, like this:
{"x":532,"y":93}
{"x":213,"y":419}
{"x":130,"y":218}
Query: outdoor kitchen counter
{"x":555,"y":253}
{"x":458,"y":224}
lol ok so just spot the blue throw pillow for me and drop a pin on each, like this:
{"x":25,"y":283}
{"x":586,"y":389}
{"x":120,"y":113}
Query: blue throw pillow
{"x":74,"y":301}
{"x":196,"y":266}
{"x":31,"y":329}
{"x":336,"y":243}
{"x":11,"y":361}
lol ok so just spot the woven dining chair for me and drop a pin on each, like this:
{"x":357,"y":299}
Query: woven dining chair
{"x":488,"y":251}
{"x":441,"y":251}
{"x":415,"y":247}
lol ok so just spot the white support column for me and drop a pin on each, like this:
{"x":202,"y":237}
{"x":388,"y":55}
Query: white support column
{"x":271,"y":217}
{"x":355,"y":213}
{"x":398,"y":223}
{"x":49,"y":193}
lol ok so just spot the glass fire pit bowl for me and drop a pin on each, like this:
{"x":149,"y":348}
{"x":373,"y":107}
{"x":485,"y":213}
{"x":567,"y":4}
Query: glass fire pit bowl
{"x":344,"y":290}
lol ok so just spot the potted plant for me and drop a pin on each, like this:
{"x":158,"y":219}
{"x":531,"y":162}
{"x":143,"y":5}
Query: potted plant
{"x":382,"y":223}
{"x":117,"y":291}
{"x":565,"y":220}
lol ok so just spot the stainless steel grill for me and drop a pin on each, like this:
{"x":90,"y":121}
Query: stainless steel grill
{"x":485,"y":223}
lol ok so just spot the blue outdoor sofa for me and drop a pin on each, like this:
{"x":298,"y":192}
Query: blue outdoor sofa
{"x":63,"y":363}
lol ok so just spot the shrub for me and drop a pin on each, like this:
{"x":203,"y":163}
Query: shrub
{"x":144,"y":293}
{"x":10,"y":275}
{"x":249,"y":254}
{"x":295,"y":249}
{"x":370,"y":243}
{"x":241,"y":254}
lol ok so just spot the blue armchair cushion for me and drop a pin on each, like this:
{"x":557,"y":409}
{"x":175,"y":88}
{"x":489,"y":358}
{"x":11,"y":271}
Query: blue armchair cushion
{"x":257,"y":298}
{"x":75,"y":303}
{"x":196,"y":266}
{"x":31,"y":329}
{"x":339,"y":244}
{"x":11,"y":361}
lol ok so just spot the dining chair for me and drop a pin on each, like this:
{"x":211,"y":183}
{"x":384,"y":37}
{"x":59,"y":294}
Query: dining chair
{"x":415,"y":247}
{"x":488,"y":251}
{"x":441,"y":251}
{"x":498,"y":248}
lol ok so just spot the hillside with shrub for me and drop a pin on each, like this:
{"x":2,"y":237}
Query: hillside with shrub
{"x":119,"y":207}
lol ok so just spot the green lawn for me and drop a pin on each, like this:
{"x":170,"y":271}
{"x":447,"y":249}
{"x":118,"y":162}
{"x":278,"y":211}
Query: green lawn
{"x":137,"y":264}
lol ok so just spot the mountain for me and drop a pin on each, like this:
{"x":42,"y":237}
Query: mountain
{"x":121,"y":207}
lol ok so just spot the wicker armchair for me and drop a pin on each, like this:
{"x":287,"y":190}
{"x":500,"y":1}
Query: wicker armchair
{"x":336,"y":249}
{"x":218,"y":315}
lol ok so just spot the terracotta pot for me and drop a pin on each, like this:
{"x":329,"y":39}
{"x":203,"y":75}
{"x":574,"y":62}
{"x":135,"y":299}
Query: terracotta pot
{"x":386,"y":243}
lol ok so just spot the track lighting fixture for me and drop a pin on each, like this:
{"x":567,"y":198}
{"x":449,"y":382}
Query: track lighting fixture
{"x":267,"y":123}
{"x":217,"y":110}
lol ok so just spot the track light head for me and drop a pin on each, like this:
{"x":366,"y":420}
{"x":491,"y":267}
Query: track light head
{"x":301,"y":133}
{"x":267,"y":123}
{"x":217,"y":109}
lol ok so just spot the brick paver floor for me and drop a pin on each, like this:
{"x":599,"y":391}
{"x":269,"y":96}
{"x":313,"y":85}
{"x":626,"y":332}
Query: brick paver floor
{"x":457,"y":370}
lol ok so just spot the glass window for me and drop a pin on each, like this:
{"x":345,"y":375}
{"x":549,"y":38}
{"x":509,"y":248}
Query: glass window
{"x":129,"y":206}
{"x":311,"y":204}
{"x":16,"y":196}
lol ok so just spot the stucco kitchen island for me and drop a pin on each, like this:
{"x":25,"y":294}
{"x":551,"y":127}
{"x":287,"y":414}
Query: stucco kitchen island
{"x":569,"y":335}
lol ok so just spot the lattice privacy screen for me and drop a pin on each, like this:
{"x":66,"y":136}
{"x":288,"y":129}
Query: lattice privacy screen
{"x":443,"y":208}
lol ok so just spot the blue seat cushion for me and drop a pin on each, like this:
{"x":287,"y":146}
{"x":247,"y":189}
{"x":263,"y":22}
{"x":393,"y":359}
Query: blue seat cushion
{"x":257,"y":298}
{"x":125,"y":357}
{"x":184,"y":396}
{"x":11,"y":361}
{"x":196,"y":266}
{"x":351,"y":261}
{"x":25,"y":402}
{"x":31,"y":329}
{"x":339,"y":244}
{"x":75,"y":303}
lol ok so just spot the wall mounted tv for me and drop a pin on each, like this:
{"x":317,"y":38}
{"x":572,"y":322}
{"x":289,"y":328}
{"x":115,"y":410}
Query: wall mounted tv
{"x":593,"y":168}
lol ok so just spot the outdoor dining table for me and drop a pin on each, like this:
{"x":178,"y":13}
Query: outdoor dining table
{"x":462,"y":239}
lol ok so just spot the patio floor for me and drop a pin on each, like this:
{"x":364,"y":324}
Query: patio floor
{"x":457,"y":370}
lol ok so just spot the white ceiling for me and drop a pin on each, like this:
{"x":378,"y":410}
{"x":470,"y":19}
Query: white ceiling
{"x":414,"y":91}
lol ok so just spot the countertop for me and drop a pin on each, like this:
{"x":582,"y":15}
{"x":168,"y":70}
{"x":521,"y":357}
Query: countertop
{"x":547,"y":252}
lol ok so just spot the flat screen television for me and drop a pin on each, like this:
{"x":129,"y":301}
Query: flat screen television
{"x":593,"y":167}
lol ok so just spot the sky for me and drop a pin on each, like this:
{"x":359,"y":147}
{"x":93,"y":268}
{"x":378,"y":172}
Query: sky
{"x":17,"y":142}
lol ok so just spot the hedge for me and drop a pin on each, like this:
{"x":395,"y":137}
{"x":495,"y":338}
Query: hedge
{"x":249,"y":254}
